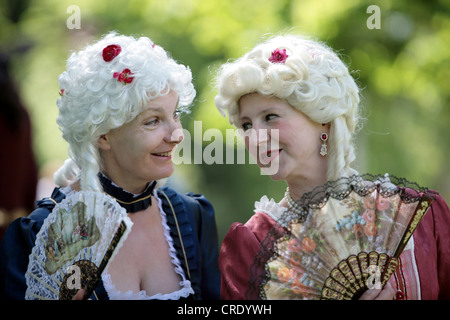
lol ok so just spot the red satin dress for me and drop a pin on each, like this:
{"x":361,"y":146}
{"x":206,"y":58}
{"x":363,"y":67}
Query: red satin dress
{"x":424,"y":271}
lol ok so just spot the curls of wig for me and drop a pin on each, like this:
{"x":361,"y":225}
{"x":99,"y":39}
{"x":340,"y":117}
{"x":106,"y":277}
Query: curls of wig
{"x":94,"y":102}
{"x":313,"y":80}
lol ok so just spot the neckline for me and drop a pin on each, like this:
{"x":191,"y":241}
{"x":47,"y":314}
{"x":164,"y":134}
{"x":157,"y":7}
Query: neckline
{"x":185,"y":289}
{"x":131,"y":202}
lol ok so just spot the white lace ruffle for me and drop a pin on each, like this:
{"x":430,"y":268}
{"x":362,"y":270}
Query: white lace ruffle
{"x":269,"y":207}
{"x":185,"y":285}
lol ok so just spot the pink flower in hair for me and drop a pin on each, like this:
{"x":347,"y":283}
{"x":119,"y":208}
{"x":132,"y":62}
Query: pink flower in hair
{"x":278,"y":56}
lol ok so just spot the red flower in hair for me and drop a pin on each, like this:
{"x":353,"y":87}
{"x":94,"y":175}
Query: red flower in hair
{"x":124,"y":76}
{"x":110,"y":52}
{"x":278,"y":56}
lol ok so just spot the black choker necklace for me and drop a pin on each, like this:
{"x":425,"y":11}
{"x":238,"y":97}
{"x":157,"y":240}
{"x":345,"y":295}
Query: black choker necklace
{"x":129,"y":201}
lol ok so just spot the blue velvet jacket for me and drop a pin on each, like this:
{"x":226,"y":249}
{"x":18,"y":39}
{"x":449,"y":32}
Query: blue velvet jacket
{"x":196,"y":224}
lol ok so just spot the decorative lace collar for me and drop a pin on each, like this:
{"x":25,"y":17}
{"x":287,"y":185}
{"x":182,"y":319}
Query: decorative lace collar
{"x":131,"y":202}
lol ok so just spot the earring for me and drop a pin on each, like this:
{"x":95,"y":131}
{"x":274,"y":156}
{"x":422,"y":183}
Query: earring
{"x":323,"y":149}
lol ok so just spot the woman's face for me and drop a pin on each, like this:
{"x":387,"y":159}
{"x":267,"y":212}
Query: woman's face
{"x":141,"y":150}
{"x":297,"y":151}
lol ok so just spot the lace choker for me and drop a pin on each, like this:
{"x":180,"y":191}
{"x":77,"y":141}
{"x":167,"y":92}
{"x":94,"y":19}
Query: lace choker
{"x":132,"y":203}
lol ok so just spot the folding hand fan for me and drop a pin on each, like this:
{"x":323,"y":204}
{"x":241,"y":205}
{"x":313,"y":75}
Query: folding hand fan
{"x":348,"y":239}
{"x":76,"y":242}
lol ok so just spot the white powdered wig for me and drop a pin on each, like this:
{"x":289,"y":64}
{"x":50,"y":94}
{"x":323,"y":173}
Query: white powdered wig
{"x":93,"y":101}
{"x":312,"y":79}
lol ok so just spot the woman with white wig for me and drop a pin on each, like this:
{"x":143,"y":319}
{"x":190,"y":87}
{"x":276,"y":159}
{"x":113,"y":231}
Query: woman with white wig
{"x":299,"y":104}
{"x":120,"y":104}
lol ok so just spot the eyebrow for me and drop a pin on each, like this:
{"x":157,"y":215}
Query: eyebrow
{"x":151,"y":110}
{"x":160,"y":108}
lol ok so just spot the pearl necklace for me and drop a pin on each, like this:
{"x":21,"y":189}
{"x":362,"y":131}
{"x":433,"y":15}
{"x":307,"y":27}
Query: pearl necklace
{"x":293,"y":206}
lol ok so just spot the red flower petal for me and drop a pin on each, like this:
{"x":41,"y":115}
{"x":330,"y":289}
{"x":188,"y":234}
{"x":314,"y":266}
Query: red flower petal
{"x":128,"y":79}
{"x":124,"y":76}
{"x":110,"y":52}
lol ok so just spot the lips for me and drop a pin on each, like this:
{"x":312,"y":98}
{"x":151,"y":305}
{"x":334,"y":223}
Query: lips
{"x":267,"y":157}
{"x":163,"y":154}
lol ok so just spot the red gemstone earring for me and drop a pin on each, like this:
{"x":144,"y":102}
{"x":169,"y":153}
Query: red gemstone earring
{"x":323,"y":149}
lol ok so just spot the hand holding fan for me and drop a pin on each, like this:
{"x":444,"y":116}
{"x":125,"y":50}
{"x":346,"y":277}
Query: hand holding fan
{"x":76,"y":242}
{"x":349,"y":239}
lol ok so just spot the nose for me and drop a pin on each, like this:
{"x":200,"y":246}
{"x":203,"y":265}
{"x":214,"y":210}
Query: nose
{"x":257,"y":136}
{"x":263,"y":135}
{"x":175,"y":133}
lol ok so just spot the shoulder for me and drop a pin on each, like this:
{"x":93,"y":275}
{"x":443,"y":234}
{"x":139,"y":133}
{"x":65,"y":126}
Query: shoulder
{"x":440,"y":205}
{"x":437,"y":220}
{"x":438,"y":215}
{"x":431,"y":249}
{"x":193,"y":202}
{"x":254,"y":231}
{"x":16,"y":246}
{"x":267,"y":212}
{"x":30,"y":225}
{"x":191,"y":210}
{"x":238,"y":252}
{"x":189,"y":196}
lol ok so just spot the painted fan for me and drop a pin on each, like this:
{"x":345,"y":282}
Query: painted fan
{"x":75,"y":244}
{"x":349,"y":239}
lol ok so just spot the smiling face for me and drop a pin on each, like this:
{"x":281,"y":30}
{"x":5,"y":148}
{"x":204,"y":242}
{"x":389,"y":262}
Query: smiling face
{"x":140,"y":151}
{"x":298,"y":147}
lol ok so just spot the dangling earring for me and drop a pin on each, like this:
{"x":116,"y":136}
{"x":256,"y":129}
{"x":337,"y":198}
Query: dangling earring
{"x":323,"y":149}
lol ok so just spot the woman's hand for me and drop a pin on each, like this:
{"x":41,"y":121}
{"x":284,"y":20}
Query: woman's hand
{"x":387,"y":293}
{"x":80,"y":295}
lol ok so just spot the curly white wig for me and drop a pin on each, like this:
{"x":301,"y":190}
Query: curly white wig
{"x":312,"y":79}
{"x":93,"y":101}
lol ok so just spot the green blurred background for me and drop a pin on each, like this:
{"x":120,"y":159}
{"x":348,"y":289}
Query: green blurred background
{"x":403,"y":69}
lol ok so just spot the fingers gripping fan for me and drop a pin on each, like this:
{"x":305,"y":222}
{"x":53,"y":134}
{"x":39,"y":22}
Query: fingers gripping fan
{"x":75,"y":244}
{"x":348,"y":240}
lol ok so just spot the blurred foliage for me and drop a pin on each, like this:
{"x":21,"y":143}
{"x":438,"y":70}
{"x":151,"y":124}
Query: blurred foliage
{"x":403,"y":70}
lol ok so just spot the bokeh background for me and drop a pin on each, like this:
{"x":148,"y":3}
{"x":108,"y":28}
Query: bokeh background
{"x":403,"y":69}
